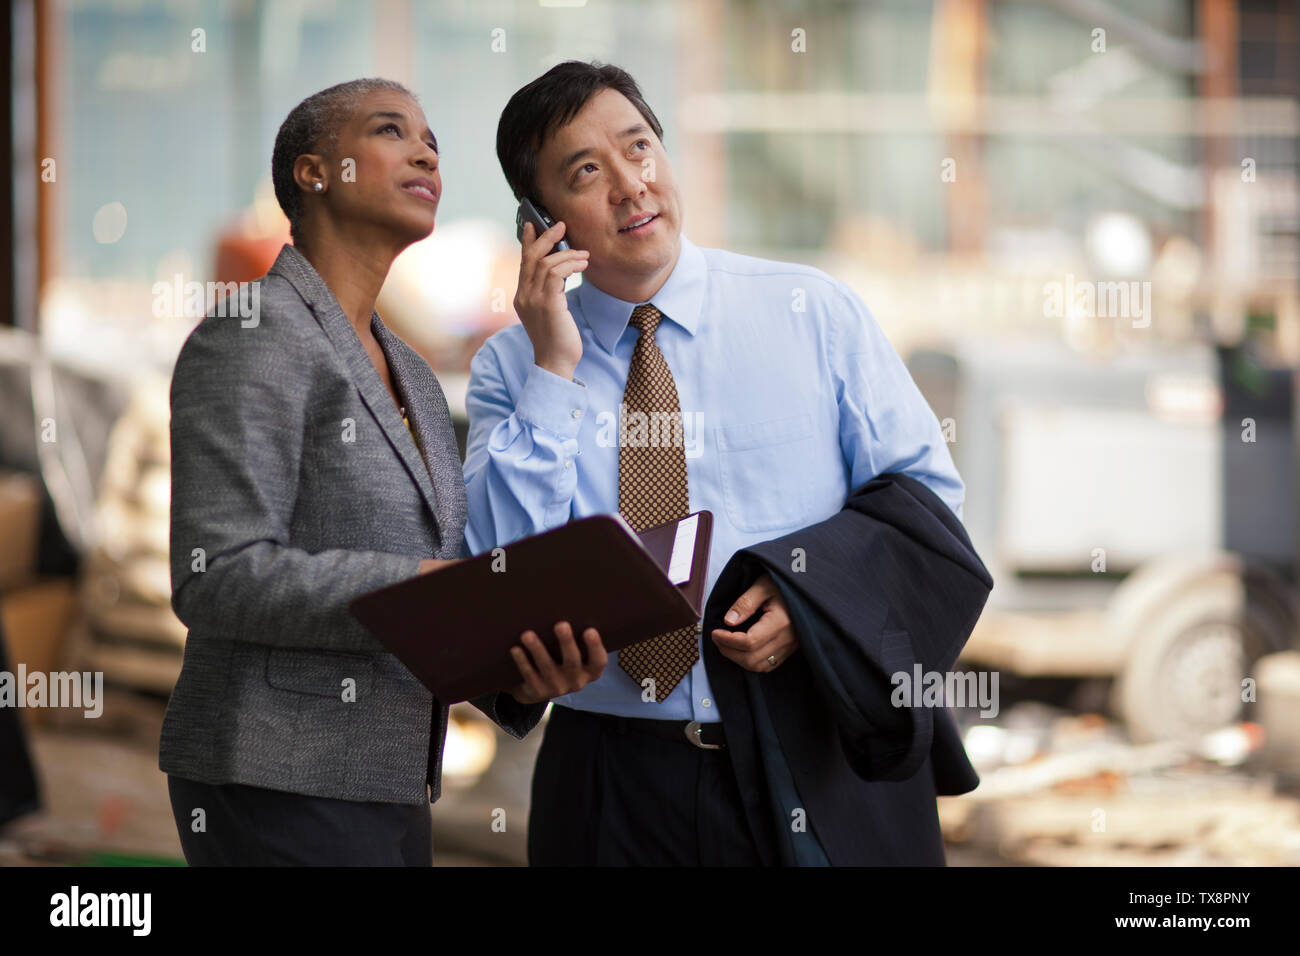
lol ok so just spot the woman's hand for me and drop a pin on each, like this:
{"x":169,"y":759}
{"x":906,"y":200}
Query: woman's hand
{"x":434,"y":564}
{"x":543,"y":309}
{"x":543,"y":678}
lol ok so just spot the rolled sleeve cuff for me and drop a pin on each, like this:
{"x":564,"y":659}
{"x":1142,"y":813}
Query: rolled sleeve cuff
{"x":553,"y":403}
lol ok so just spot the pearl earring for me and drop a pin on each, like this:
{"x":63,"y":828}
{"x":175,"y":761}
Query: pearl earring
{"x":318,"y":186}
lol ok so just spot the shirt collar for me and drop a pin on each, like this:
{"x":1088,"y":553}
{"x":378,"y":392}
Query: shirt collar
{"x":679,"y":299}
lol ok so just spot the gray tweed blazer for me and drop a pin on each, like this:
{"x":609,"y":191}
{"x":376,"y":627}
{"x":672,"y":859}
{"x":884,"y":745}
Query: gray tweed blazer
{"x":296,"y":487}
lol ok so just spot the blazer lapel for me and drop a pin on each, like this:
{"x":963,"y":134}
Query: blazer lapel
{"x":426,"y":407}
{"x":292,"y":265}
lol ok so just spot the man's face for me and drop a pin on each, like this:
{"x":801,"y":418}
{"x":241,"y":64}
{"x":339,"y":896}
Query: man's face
{"x":602,"y":173}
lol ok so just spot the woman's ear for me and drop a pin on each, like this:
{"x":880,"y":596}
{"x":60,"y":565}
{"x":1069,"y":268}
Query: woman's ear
{"x":309,"y":173}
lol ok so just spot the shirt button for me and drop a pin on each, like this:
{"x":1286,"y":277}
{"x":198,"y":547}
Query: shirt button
{"x":568,"y":463}
{"x":699,"y":627}
{"x":577,"y":413}
{"x":706,"y":702}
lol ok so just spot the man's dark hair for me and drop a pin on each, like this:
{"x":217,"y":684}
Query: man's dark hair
{"x":548,"y":103}
{"x":312,"y":124}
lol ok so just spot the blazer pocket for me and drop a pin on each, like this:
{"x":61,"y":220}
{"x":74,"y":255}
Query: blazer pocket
{"x":318,"y":673}
{"x":749,"y":455}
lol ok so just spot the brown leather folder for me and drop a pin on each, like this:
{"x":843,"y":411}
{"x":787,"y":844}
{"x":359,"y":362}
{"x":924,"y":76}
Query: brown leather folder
{"x":453,"y":628}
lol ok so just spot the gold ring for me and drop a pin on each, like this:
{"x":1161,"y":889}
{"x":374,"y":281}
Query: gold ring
{"x":772,"y":660}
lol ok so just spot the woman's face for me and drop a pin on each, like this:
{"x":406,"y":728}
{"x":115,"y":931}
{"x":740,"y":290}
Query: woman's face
{"x":384,"y":170}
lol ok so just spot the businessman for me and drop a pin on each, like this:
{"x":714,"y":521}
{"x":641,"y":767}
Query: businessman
{"x":789,"y":395}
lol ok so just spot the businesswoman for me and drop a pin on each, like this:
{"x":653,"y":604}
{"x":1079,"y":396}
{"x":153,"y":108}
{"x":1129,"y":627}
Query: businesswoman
{"x":313,"y":459}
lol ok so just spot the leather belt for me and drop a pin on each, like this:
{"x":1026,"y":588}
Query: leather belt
{"x":708,"y":736}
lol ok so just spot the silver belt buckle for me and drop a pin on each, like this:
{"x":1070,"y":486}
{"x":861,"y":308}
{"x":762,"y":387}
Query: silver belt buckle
{"x":693,"y":731}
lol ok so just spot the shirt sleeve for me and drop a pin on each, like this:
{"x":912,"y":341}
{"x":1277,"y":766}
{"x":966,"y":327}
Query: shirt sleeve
{"x":239,"y":402}
{"x":886,"y":425}
{"x":521,"y":457}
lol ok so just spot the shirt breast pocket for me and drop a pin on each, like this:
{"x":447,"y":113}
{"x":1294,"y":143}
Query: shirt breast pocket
{"x":762,"y":467}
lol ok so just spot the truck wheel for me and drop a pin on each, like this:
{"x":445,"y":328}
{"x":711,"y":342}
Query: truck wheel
{"x":1186,"y":665}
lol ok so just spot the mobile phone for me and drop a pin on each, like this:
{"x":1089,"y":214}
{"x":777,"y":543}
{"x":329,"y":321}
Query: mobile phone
{"x":542,"y":220}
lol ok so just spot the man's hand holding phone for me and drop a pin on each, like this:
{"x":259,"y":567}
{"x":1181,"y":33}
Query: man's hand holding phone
{"x":540,"y":301}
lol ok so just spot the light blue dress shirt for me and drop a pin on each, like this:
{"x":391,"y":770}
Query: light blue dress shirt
{"x":791,"y":396}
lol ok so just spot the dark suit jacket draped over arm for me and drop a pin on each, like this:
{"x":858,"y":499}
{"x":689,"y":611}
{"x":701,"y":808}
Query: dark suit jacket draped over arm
{"x":888,"y":583}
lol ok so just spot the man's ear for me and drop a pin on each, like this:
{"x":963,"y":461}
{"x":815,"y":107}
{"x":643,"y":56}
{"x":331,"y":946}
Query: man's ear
{"x":309,"y":169}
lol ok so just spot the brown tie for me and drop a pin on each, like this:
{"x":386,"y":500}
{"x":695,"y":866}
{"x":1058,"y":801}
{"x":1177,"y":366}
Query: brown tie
{"x":652,"y":490}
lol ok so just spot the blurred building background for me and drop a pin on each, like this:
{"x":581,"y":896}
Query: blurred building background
{"x":1078,"y":221}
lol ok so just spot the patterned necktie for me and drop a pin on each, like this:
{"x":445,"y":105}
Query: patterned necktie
{"x":652,"y":489}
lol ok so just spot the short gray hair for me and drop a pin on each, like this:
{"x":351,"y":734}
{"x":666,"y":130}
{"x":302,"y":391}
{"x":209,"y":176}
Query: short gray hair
{"x":313,"y":123}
